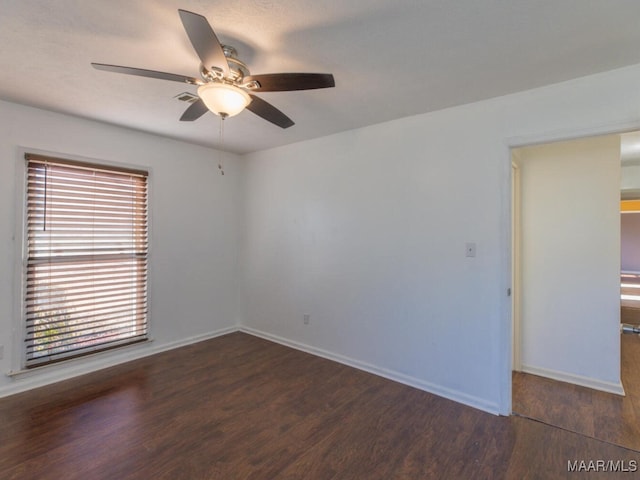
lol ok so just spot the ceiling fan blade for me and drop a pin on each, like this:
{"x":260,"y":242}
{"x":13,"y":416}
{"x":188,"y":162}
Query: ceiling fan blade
{"x":141,"y":72}
{"x":204,"y":41}
{"x":269,"y":112}
{"x":281,"y":82}
{"x":194,"y":112}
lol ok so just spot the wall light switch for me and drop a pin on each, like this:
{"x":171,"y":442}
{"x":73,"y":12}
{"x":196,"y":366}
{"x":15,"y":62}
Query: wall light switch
{"x":471,"y":249}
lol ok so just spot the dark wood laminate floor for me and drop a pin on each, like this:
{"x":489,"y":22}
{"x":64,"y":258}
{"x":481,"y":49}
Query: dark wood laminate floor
{"x":239,"y":407}
{"x":604,"y":416}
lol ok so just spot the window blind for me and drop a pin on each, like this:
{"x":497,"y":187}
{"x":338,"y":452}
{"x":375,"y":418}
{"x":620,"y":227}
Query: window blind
{"x":86,"y":268}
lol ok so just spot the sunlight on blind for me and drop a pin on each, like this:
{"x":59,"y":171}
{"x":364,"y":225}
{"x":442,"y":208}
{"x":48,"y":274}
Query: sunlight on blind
{"x":86,"y":274}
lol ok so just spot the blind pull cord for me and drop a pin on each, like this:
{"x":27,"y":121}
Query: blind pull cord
{"x":44,"y":219}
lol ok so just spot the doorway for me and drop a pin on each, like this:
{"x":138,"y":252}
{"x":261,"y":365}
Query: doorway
{"x":569,"y":261}
{"x":630,"y":262}
{"x":566,"y":247}
{"x":630,"y":228}
{"x":560,"y":180}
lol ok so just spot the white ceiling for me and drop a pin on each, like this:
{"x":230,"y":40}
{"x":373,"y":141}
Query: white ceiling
{"x":390,"y":58}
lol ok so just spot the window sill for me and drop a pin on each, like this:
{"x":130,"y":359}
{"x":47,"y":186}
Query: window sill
{"x":92,"y":362}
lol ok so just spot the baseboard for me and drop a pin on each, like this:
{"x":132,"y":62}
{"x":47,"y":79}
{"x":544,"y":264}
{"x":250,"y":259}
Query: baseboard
{"x":609,"y":387}
{"x":39,"y":377}
{"x":456,"y":396}
{"x":31,"y":379}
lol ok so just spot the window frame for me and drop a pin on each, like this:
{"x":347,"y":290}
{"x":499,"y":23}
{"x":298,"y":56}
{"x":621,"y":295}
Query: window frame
{"x":19,"y":351}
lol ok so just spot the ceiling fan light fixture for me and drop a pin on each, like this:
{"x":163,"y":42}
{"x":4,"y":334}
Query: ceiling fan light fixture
{"x":223,"y":99}
{"x":226,"y":81}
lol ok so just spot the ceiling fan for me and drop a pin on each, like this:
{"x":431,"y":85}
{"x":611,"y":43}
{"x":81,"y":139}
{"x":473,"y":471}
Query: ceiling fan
{"x":226,"y":85}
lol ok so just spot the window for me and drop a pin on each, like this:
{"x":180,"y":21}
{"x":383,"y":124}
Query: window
{"x":86,"y":267}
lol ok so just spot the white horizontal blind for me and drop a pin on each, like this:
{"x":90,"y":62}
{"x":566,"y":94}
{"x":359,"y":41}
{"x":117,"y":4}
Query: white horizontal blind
{"x":86,"y":273}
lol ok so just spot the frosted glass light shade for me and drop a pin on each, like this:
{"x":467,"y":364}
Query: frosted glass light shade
{"x":223,"y":99}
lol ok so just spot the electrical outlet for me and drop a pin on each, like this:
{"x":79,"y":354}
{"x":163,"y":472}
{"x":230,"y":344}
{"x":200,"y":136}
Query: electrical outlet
{"x":306,"y":318}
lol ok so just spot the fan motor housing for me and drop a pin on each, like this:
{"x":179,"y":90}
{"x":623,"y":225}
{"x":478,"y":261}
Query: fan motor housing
{"x":237,"y":69}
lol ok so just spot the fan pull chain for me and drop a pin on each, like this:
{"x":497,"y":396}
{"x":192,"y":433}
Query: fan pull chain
{"x":221,"y":148}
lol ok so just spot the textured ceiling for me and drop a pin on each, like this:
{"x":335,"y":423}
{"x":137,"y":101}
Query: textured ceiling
{"x":390,"y":58}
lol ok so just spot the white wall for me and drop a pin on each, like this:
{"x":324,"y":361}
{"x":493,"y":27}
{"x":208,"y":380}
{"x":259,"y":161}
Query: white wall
{"x":366,"y":231}
{"x":194,"y":231}
{"x":630,"y":241}
{"x":570,"y":261}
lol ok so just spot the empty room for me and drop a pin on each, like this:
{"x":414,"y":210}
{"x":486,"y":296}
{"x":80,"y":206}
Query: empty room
{"x":278,"y":239}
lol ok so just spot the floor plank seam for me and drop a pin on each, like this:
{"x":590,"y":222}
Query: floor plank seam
{"x":574,"y":432}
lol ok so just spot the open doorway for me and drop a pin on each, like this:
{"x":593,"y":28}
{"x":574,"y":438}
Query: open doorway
{"x":630,"y":262}
{"x":630,"y":228}
{"x":569,"y":358}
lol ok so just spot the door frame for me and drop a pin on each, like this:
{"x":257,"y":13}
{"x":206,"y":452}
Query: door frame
{"x":516,"y":362}
{"x":512,"y":143}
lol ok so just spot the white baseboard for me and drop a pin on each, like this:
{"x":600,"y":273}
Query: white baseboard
{"x":41,"y":376}
{"x":456,"y":396}
{"x":23,"y":381}
{"x":609,"y":387}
